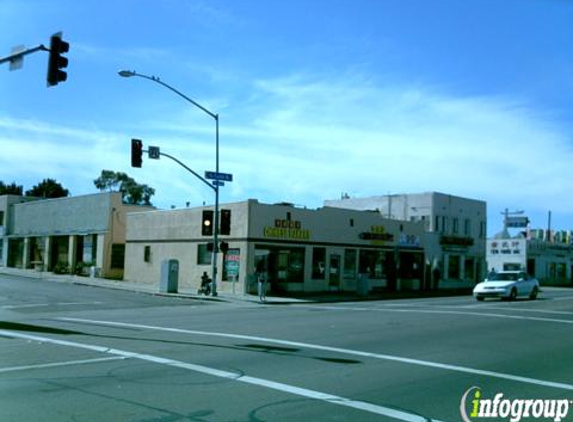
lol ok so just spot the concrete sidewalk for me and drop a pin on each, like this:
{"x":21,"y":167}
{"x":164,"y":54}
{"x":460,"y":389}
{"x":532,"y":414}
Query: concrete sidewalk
{"x":150,"y":289}
{"x":187,"y":293}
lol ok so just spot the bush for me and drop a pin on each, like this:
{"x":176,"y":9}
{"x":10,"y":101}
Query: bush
{"x":62,"y":268}
{"x":83,"y":268}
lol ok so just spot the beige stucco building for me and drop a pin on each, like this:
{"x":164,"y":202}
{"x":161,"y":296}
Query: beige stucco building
{"x":65,"y":234}
{"x":299,"y":250}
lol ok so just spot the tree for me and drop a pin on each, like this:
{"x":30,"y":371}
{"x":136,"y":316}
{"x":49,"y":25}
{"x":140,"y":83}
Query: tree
{"x":131,"y":192}
{"x":110,"y":180}
{"x":11,"y":189}
{"x":48,"y":188}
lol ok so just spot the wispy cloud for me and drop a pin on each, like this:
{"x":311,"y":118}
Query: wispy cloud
{"x":348,"y":133}
{"x":305,"y":139}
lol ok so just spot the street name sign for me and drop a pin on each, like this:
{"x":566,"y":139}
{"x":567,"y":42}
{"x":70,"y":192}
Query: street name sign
{"x":213,"y":175}
{"x":153,"y":152}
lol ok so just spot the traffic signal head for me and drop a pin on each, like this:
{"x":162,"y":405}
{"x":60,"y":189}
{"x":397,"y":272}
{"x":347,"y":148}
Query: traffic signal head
{"x":225,"y":221}
{"x":136,"y":152}
{"x":224,"y":247}
{"x":56,"y":61}
{"x":207,"y":223}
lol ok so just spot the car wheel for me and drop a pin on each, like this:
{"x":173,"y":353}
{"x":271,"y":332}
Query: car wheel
{"x":480,"y":299}
{"x":513,"y":294}
{"x":534,"y":293}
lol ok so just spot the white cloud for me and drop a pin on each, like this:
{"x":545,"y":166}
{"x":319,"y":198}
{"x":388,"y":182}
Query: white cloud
{"x":304,"y":140}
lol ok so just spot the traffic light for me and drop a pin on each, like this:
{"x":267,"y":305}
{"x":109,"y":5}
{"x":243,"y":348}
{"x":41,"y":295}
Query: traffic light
{"x":207,"y":223}
{"x":136,"y":152}
{"x":56,"y":61}
{"x":224,"y":247}
{"x":225,"y":221}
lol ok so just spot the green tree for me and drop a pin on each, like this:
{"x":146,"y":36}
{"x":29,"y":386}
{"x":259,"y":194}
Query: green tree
{"x":131,"y":192}
{"x":48,"y":188}
{"x":110,"y":181}
{"x":10,"y":189}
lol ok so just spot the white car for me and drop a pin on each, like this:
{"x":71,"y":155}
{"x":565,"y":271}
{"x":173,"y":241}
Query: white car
{"x":508,"y":285}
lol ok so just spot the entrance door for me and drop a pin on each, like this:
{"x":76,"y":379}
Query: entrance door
{"x":334,"y":274}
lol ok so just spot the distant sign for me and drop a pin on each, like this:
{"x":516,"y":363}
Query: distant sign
{"x":213,"y":175}
{"x":516,"y":222}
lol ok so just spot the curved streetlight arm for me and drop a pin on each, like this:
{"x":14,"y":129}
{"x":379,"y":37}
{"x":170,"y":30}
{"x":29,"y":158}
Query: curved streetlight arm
{"x":129,"y":73}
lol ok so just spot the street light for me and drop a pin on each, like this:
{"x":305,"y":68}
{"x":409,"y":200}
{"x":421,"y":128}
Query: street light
{"x":130,"y":73}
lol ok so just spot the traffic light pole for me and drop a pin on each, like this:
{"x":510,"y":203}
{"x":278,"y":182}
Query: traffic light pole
{"x":215,"y":187}
{"x":190,"y":170}
{"x":19,"y":55}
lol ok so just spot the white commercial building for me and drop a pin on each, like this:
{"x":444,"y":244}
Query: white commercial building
{"x":455,"y":227}
{"x":546,"y":255}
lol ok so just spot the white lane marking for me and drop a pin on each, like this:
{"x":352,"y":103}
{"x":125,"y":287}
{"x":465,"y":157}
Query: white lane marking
{"x":562,"y":298}
{"x":304,"y":392}
{"x":541,"y":311}
{"x":430,"y":364}
{"x":58,"y":364}
{"x":42,"y":305}
{"x":444,"y":312}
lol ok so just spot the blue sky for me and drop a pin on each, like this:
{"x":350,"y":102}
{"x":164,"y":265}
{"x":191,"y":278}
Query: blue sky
{"x":367,"y":97}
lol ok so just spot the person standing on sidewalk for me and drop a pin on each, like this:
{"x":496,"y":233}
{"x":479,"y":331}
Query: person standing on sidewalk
{"x":261,"y":281}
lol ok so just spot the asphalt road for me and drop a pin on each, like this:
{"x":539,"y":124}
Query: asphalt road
{"x":79,"y":353}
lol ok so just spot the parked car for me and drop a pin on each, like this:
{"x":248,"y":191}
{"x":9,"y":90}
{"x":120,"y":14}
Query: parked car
{"x":507,"y":285}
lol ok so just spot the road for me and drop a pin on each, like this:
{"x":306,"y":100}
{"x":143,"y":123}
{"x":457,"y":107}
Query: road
{"x":79,"y":353}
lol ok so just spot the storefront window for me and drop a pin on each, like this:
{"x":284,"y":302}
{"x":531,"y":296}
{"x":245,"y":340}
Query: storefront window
{"x":118,"y":256}
{"x":231,"y":265}
{"x":469,"y":269}
{"x":283,"y":265}
{"x":203,"y":255}
{"x":350,"y":263}
{"x":411,"y":265}
{"x":374,"y":263}
{"x":561,"y":271}
{"x":454,"y":267}
{"x":318,"y":263}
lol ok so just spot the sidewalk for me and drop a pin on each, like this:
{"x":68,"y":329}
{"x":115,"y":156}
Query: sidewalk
{"x":187,"y":293}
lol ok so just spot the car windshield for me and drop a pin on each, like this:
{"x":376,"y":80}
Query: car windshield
{"x":503,"y":277}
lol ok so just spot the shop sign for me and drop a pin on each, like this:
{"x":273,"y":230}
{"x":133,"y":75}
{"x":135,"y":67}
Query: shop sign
{"x":456,"y":241}
{"x":516,"y":222}
{"x":409,"y":240}
{"x":506,"y":247}
{"x":377,"y":234}
{"x":287,"y":229}
{"x":232,"y":263}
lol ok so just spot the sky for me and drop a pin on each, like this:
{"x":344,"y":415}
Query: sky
{"x":316,"y":98}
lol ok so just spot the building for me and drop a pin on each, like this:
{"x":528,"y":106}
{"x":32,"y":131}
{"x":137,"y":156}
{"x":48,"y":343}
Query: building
{"x":6,"y":202}
{"x":299,"y":250}
{"x":545,"y":255}
{"x":456,"y":231}
{"x":67,"y":235}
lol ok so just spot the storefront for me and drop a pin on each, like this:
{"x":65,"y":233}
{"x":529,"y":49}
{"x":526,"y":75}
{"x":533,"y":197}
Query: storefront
{"x":298,"y":250}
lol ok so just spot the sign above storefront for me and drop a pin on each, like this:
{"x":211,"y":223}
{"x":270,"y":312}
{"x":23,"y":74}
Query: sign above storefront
{"x":287,"y":229}
{"x":456,"y":241}
{"x":377,"y":234}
